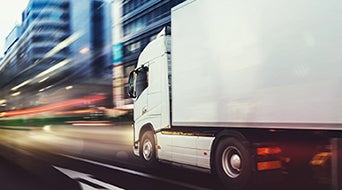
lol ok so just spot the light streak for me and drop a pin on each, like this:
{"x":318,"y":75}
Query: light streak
{"x":68,"y":87}
{"x":44,"y":79}
{"x":63,"y":44}
{"x":16,"y":94}
{"x":21,"y":85}
{"x":53,"y":68}
{"x":56,"y":106}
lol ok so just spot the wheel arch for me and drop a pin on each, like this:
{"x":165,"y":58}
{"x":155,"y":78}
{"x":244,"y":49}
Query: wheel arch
{"x":146,"y":127}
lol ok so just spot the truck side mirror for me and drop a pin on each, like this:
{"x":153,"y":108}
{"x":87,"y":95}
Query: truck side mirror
{"x":131,"y":81}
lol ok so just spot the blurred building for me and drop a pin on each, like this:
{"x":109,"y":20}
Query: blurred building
{"x":61,"y":43}
{"x":136,"y":23}
{"x":12,"y":37}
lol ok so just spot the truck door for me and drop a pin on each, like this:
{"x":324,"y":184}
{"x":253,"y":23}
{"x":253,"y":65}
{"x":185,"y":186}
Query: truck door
{"x":141,"y":92}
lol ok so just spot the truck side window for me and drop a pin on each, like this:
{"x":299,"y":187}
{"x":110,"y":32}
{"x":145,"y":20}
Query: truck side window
{"x":141,"y":81}
{"x":131,"y":84}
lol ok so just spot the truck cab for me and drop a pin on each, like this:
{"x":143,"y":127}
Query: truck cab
{"x":149,"y":88}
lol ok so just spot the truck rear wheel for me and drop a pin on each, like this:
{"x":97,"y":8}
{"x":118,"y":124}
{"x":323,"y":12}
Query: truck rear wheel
{"x":233,"y":163}
{"x":148,"y":147}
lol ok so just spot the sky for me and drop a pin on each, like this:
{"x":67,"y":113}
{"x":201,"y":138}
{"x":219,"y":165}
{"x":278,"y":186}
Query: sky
{"x":10,"y":15}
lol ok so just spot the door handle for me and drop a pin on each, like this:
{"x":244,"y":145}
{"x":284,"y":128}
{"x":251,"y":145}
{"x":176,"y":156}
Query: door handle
{"x":144,"y":110}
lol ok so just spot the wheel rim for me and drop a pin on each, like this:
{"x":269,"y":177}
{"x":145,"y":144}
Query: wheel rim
{"x":147,"y":149}
{"x":231,"y":162}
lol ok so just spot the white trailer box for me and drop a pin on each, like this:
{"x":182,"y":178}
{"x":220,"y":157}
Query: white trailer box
{"x":257,"y":63}
{"x":239,"y":68}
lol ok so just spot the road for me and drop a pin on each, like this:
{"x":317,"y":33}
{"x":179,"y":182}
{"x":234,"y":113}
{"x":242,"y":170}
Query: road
{"x":90,"y":158}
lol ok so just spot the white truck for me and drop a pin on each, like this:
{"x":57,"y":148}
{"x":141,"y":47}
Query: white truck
{"x":213,"y":92}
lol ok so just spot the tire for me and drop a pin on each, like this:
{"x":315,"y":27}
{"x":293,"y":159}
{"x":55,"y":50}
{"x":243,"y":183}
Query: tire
{"x":148,"y":148}
{"x":233,"y":163}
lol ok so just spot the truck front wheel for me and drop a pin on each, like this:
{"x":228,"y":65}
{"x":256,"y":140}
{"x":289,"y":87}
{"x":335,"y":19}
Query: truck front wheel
{"x":148,"y":147}
{"x":233,"y":163}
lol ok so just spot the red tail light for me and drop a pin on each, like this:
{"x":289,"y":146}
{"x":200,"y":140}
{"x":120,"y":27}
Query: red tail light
{"x":268,"y":151}
{"x":269,"y":165}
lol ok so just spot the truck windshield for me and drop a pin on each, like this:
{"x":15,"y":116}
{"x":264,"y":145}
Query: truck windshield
{"x":141,"y":80}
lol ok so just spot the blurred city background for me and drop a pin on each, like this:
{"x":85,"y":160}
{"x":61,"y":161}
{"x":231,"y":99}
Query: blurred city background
{"x":69,"y":60}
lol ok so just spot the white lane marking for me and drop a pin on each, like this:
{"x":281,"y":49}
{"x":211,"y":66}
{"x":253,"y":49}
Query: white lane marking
{"x":137,"y":173}
{"x":79,"y":175}
{"x":87,"y":187}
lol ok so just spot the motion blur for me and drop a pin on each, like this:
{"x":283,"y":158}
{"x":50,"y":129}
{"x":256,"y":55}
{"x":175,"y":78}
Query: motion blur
{"x":56,"y":63}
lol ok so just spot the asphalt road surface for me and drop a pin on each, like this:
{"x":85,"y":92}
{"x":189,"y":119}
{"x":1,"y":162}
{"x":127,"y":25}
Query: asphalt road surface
{"x":97,"y":157}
